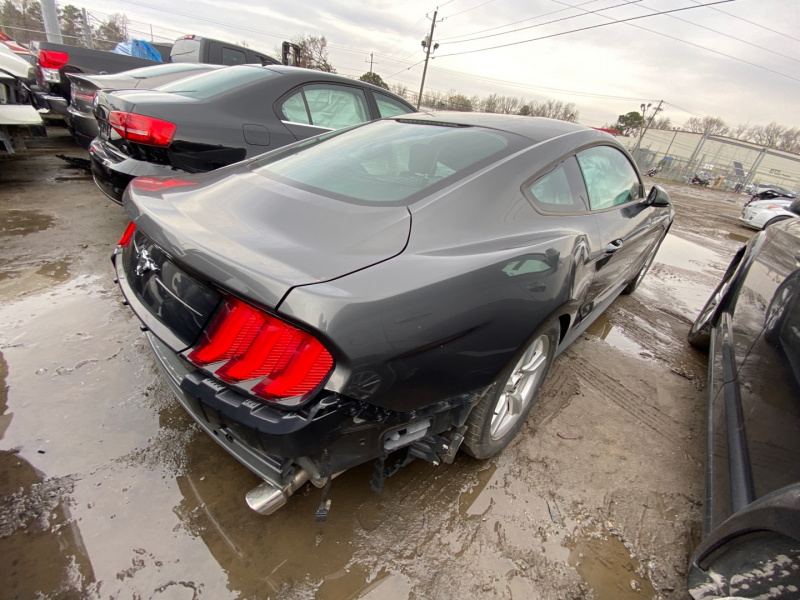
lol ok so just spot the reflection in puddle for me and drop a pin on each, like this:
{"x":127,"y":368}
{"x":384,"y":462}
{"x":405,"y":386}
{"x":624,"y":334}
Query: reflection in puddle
{"x":677,"y":252}
{"x":602,"y":328}
{"x":37,"y":529}
{"x":606,"y":565}
{"x":23,"y":222}
{"x":18,"y":282}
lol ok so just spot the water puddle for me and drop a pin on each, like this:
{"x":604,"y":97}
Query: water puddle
{"x":467,"y":499}
{"x":24,"y":222}
{"x":73,"y":178}
{"x":607,"y":567}
{"x":602,"y":328}
{"x":680,"y":253}
{"x":738,"y":237}
{"x":19,"y":282}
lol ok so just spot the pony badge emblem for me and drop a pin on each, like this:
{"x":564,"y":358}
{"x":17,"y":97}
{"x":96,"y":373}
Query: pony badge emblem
{"x":145,"y":263}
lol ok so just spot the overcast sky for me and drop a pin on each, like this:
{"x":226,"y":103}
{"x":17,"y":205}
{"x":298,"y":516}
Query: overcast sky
{"x":739,"y":60}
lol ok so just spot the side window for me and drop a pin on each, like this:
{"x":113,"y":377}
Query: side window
{"x":336,"y":106}
{"x":389,"y":107}
{"x":294,"y":109}
{"x":610,"y":178}
{"x":231,"y":56}
{"x":559,"y":190}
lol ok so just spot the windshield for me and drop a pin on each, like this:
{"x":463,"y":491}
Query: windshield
{"x":391,"y":162}
{"x":207,"y":85}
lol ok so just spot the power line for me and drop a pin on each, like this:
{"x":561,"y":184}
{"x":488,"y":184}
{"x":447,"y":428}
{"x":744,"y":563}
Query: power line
{"x":560,"y":10}
{"x":403,"y":70}
{"x":544,"y":37}
{"x":585,"y":13}
{"x":469,"y":9}
{"x":770,"y":29}
{"x":725,"y":35}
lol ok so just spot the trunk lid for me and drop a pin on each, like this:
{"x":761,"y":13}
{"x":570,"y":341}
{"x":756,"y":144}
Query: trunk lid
{"x":259,"y":238}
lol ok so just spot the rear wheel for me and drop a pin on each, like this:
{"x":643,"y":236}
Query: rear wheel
{"x":502,"y":410}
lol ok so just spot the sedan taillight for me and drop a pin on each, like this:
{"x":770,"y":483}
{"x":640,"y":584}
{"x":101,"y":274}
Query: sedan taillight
{"x":50,"y":59}
{"x":252,"y":344}
{"x":142,"y":129}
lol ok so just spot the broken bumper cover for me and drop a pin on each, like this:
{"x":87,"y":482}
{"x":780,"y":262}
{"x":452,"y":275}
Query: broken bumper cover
{"x":113,"y":173}
{"x":332,"y":435}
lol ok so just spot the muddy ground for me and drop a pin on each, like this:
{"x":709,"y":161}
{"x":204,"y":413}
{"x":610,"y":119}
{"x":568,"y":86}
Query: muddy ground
{"x":108,"y":490}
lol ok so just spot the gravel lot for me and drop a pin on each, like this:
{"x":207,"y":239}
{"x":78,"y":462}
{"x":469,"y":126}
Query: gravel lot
{"x":107,"y":489}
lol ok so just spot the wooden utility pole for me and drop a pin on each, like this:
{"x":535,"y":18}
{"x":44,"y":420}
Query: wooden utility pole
{"x":371,"y":60}
{"x":428,"y":45}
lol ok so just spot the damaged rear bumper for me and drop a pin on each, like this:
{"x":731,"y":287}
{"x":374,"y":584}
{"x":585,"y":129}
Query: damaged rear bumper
{"x":285,"y":447}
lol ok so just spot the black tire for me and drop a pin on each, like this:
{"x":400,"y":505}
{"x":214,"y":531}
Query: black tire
{"x":774,"y":220}
{"x":700,"y":332}
{"x":489,"y":428}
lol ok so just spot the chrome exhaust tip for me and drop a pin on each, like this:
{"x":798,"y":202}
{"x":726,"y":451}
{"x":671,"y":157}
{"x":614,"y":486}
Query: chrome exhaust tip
{"x":266,"y":497}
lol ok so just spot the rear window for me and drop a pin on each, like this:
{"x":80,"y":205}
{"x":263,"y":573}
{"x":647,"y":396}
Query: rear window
{"x":216,"y":82}
{"x":186,"y":50}
{"x":387,"y":162}
{"x":146,"y":72}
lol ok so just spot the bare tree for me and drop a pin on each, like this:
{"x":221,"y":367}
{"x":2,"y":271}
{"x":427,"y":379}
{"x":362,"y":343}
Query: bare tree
{"x":509,"y":105}
{"x":790,"y":140}
{"x":554,"y":109}
{"x":111,"y":32}
{"x":741,"y":131}
{"x":314,"y":53}
{"x":661,"y":123}
{"x":456,"y":101}
{"x":399,"y":89}
{"x":707,"y":125}
{"x":491,"y":103}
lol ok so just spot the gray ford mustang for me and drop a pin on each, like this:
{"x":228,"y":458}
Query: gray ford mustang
{"x":395,"y":290}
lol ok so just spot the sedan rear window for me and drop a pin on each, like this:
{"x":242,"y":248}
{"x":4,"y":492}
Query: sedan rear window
{"x":217,"y":82}
{"x":387,"y":162}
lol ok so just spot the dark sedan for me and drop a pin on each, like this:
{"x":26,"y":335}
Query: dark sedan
{"x":80,"y":119}
{"x":751,"y":326}
{"x":219,"y":118}
{"x":399,"y":287}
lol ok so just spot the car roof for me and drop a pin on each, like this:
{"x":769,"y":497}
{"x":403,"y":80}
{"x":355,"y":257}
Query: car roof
{"x":307,"y":74}
{"x":537,"y":129}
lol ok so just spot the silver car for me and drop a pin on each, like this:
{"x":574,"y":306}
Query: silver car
{"x":763,"y":213}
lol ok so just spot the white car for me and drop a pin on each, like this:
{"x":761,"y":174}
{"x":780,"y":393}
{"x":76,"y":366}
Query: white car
{"x":763,"y":213}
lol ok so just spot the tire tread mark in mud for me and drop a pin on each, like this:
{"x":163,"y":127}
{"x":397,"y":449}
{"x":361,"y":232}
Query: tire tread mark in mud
{"x":630,"y":401}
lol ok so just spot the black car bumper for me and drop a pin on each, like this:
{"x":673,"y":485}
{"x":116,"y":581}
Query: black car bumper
{"x":113,"y":172}
{"x":48,"y":104}
{"x":82,"y":127}
{"x":331,"y":435}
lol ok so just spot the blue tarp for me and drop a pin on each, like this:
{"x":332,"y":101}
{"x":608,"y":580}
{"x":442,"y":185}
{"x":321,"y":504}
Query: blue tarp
{"x":138,"y":48}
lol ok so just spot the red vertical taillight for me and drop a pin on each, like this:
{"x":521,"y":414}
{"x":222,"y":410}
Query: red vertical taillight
{"x":255,"y":345}
{"x":126,"y":237}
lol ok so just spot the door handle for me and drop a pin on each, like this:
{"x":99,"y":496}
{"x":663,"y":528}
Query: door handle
{"x":614,"y":246}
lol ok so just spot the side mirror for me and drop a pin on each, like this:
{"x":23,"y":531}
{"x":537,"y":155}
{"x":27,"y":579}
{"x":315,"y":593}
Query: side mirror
{"x":658,"y":196}
{"x":795,"y":207}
